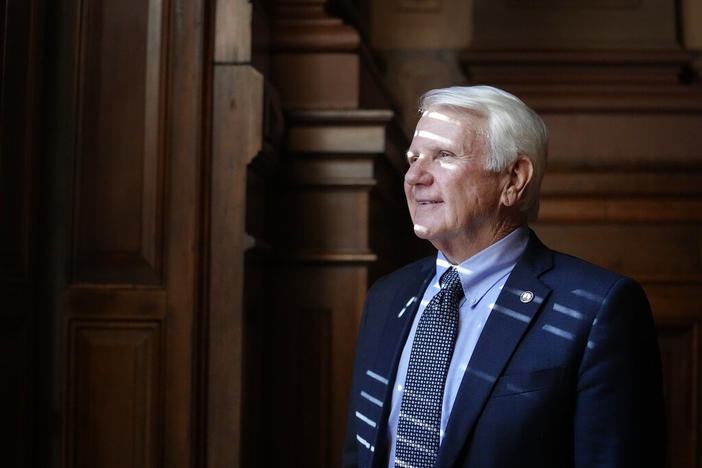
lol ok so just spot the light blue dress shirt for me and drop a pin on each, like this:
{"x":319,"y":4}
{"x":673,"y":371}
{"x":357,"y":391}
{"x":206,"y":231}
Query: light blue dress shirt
{"x":482,"y":277}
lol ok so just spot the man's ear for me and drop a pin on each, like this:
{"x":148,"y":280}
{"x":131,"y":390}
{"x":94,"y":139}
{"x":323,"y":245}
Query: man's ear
{"x":519,"y":175}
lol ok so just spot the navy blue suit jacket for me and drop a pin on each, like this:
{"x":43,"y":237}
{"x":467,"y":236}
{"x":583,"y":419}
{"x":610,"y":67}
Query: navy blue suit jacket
{"x":570,"y":379}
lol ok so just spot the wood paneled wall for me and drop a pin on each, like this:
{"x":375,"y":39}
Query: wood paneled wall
{"x":624,"y":189}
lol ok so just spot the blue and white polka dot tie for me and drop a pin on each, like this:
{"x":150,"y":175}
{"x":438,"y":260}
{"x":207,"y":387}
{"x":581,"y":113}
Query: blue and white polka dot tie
{"x":417,"y":444}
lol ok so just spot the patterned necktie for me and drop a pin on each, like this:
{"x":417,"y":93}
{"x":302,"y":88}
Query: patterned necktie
{"x":417,"y":444}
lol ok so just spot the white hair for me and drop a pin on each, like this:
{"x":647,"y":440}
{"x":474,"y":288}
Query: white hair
{"x":514,"y":129}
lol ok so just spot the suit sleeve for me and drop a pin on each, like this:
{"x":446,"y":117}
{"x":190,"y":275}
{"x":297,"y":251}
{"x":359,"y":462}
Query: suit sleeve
{"x":349,"y":456}
{"x":619,"y":415}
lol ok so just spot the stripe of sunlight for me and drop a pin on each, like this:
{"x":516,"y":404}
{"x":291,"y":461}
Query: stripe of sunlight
{"x":568,"y":311}
{"x":416,"y":396}
{"x":414,"y":444}
{"x":365,"y":419}
{"x":440,"y":116}
{"x":372,"y":399}
{"x":418,"y":422}
{"x":402,"y":312}
{"x":510,"y":313}
{"x":365,"y":443}
{"x":514,"y":388}
{"x":377,"y":377}
{"x":558,"y":332}
{"x":481,"y":375}
{"x":401,"y":463}
{"x":433,"y":136}
{"x":587,"y":295}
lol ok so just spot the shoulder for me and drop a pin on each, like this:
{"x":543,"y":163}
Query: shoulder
{"x":564,"y":271}
{"x":583,"y":286}
{"x":395,"y":290}
{"x":413,"y":273}
{"x":577,"y":271}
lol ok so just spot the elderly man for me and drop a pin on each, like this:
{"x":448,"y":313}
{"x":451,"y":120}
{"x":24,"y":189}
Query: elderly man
{"x":497,"y":351}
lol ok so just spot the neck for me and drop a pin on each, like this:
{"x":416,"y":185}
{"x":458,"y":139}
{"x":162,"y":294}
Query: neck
{"x":458,"y":251}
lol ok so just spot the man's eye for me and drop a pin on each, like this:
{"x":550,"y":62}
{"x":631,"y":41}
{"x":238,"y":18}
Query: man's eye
{"x":445,"y":154}
{"x":412,"y":159}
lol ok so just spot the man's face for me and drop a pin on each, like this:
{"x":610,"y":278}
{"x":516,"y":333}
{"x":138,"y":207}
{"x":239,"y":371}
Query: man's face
{"x":452,"y":199}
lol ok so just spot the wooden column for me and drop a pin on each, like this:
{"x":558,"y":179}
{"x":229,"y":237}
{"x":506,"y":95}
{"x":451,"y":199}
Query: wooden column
{"x":320,"y":230}
{"x":322,"y":277}
{"x":314,"y":64}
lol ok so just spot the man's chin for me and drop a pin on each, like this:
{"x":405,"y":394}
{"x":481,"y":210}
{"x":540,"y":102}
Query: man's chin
{"x":422,"y":232}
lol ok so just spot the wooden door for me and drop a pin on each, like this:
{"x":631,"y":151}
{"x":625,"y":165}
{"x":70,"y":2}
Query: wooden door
{"x":119,"y":234}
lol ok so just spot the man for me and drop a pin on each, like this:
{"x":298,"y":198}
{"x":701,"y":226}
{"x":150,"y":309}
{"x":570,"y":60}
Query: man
{"x":498,"y":352}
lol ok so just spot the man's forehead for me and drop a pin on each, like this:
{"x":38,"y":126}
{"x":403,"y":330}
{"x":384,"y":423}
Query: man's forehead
{"x":442,"y":116}
{"x":454,"y":115}
{"x":433,"y":136}
{"x":450,"y":120}
{"x":444,"y":125}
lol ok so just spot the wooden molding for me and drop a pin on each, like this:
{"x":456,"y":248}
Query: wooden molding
{"x":669,"y":57}
{"x":338,"y":131}
{"x":326,"y":256}
{"x":314,"y":35}
{"x":589,"y":81}
{"x":340,"y":116}
{"x":587,"y":24}
{"x":307,"y":27}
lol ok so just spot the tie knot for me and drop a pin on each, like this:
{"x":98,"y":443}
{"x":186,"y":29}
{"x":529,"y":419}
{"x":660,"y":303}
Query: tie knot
{"x":451,"y":281}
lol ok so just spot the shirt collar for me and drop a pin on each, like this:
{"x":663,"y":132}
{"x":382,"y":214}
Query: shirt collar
{"x":481,"y":271}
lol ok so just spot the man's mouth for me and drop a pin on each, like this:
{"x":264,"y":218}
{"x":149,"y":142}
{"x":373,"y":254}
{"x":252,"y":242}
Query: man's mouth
{"x":428,"y":202}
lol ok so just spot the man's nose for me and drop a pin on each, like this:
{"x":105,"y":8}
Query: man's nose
{"x":418,"y":173}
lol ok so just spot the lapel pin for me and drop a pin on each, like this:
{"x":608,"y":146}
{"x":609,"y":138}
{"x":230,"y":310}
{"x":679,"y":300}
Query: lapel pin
{"x":526,"y":297}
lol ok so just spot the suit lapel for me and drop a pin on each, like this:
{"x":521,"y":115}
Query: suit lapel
{"x":398,"y":322}
{"x":510,"y":318}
